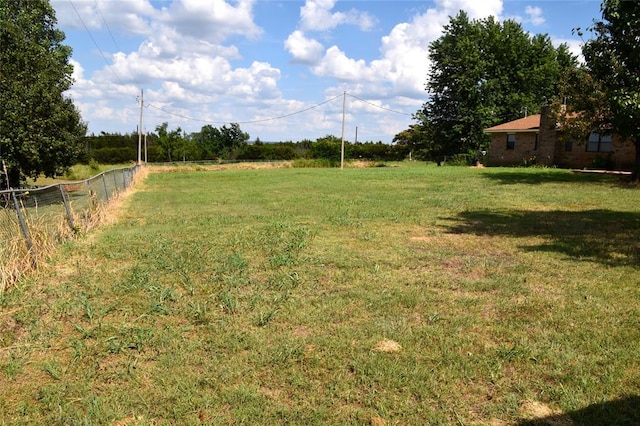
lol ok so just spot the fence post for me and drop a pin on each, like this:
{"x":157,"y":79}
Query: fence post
{"x":67,"y":207}
{"x":106,"y":192}
{"x":25,"y":231}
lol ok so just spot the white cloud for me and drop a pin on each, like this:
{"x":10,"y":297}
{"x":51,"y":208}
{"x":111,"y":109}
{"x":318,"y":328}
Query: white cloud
{"x":193,"y":77}
{"x":474,"y":8}
{"x":131,"y":15}
{"x":303,"y":49}
{"x":316,"y":15}
{"x":575,"y":46}
{"x":258,"y":81}
{"x":535,"y":15}
{"x":336,"y":64}
{"x":402,"y":68}
{"x":211,"y":20}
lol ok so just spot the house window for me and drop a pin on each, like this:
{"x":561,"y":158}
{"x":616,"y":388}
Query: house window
{"x":599,"y":143}
{"x":568,"y":146}
{"x":536,"y":142}
{"x":511,"y":141}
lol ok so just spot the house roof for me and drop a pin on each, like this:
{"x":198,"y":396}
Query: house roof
{"x":530,"y":123}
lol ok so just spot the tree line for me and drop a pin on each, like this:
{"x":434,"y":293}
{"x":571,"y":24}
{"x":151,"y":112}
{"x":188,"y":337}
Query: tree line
{"x":483,"y":72}
{"x":228,"y":142}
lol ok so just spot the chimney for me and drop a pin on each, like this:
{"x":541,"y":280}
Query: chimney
{"x":546,"y":137}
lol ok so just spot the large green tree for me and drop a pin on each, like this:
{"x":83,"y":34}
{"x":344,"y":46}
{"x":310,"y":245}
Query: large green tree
{"x":169,"y":141}
{"x":232,"y":138}
{"x":209,"y":141}
{"x":604,"y":94}
{"x":484,"y":72}
{"x":40,"y":128}
{"x":222,"y":142}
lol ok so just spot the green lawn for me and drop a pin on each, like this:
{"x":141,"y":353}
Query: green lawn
{"x":267,"y":297}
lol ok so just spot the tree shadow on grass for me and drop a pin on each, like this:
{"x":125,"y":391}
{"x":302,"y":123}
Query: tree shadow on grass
{"x":538,"y":176}
{"x":620,"y":412}
{"x":606,"y":236}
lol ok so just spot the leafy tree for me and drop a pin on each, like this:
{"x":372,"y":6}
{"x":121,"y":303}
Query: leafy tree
{"x":169,"y":141}
{"x":186,"y":148}
{"x":210,"y":141}
{"x":418,"y":141}
{"x":232,"y":138}
{"x":485,"y":72}
{"x":327,"y":147}
{"x":40,"y":128}
{"x":604,"y":94}
{"x":222,"y":142}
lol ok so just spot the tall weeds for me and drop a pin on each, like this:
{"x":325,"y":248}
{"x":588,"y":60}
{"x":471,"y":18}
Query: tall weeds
{"x":47,"y":228}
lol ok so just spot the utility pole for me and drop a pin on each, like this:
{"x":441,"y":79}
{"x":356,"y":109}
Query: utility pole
{"x":344,"y":103}
{"x":140,"y":128}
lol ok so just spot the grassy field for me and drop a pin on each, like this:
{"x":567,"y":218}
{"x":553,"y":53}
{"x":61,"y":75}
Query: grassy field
{"x":405,"y":295}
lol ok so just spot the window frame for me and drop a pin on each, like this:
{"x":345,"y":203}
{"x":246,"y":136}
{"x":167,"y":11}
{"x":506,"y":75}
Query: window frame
{"x":596,"y":145}
{"x":511,"y":141}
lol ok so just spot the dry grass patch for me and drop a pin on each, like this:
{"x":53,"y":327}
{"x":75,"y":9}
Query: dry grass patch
{"x":387,"y":346}
{"x":540,"y":414}
{"x":47,"y":230}
{"x":190,"y":167}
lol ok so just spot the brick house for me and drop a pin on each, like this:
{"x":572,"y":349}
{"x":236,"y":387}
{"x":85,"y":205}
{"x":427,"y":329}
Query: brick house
{"x":532,"y":139}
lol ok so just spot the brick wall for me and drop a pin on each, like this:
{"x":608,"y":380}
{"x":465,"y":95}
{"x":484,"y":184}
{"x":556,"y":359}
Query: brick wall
{"x":621,"y":156}
{"x":524,"y":149}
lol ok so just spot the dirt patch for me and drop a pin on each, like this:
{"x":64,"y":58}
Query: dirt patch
{"x":301,"y":331}
{"x":129,"y":421}
{"x":387,"y":346}
{"x":378,"y":421}
{"x":541,"y":414}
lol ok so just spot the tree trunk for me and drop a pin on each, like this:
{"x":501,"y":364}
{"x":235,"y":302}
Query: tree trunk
{"x":635,"y":175}
{"x":13,"y":175}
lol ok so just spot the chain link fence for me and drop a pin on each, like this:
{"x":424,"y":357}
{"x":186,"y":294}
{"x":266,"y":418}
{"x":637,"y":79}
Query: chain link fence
{"x":34,"y":221}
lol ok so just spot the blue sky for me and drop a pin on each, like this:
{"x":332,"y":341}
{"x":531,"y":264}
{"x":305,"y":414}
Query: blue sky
{"x":279,"y":68}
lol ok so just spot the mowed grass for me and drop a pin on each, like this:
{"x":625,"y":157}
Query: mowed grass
{"x":406,"y":295}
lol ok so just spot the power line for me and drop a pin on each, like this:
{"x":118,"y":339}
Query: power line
{"x":378,"y":106}
{"x":96,"y":44}
{"x":185,"y":117}
{"x":107,"y":25}
{"x":245,"y":122}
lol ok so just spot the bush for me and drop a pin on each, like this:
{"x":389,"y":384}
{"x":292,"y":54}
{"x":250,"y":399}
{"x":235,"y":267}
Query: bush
{"x":94,"y":166}
{"x":113,"y":155}
{"x":603,"y":163}
{"x":460,"y":160}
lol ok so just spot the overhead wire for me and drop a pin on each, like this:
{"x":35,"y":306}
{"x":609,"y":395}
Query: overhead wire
{"x":96,"y":43}
{"x":378,"y":106}
{"x":107,"y":25}
{"x":249,"y":121}
{"x":185,"y":117}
